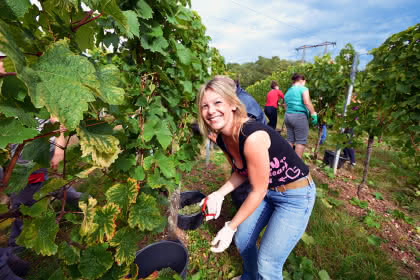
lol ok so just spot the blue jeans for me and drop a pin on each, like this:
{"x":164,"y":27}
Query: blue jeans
{"x":286,"y":216}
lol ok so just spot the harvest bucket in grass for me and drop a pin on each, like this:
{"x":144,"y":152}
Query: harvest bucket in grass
{"x":161,"y":255}
{"x":329,"y":157}
{"x":193,"y":220}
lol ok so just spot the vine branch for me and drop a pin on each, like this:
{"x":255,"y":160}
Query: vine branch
{"x":87,"y":18}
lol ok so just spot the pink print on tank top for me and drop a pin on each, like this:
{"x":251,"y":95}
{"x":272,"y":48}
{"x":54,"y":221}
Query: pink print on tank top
{"x":282,"y":168}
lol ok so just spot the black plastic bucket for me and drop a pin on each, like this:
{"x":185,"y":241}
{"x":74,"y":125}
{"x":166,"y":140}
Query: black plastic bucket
{"x":190,"y":222}
{"x":329,"y":157}
{"x":160,"y":255}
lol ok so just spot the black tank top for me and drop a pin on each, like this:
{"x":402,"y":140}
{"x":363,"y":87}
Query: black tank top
{"x":285,"y":165}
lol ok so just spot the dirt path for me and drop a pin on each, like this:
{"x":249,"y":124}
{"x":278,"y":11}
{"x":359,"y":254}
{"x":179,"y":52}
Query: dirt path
{"x":401,"y":238}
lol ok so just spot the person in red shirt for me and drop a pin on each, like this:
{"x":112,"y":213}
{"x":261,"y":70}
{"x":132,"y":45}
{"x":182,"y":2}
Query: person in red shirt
{"x":270,"y":108}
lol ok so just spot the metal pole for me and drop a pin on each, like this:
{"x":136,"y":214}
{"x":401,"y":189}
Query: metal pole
{"x":303,"y":55}
{"x":348,"y":100}
{"x":208,"y":152}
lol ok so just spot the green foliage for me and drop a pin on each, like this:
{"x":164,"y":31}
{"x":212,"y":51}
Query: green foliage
{"x":359,"y":203}
{"x":389,"y":93}
{"x":251,"y":72}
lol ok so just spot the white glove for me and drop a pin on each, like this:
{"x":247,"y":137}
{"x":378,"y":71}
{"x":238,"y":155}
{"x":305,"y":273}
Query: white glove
{"x":223,"y":239}
{"x":214,"y":205}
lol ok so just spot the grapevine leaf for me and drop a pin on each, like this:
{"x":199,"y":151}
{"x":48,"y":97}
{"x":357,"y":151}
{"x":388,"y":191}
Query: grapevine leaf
{"x":156,"y":45}
{"x":95,"y":261}
{"x":117,"y":273}
{"x":126,"y":242}
{"x":149,"y":129}
{"x":123,"y":194}
{"x":188,"y":86}
{"x":156,"y":31}
{"x":14,"y":8}
{"x":148,"y":161}
{"x":166,"y":165}
{"x":69,"y":254}
{"x":9,"y":46}
{"x":163,"y":134}
{"x":183,"y":53}
{"x":109,"y":92}
{"x":84,"y":37}
{"x":12,"y":131}
{"x":143,"y":10}
{"x":11,"y":106}
{"x":156,"y":180}
{"x":19,"y":178}
{"x":133,"y":24}
{"x":145,"y":214}
{"x":72,"y":218}
{"x":36,"y":210}
{"x":88,"y":226}
{"x":65,"y":84}
{"x":58,"y":275}
{"x":111,"y":8}
{"x":50,"y":186}
{"x":38,"y":151}
{"x":138,"y":173}
{"x":125,"y":162}
{"x":105,"y":219}
{"x":104,"y":148}
{"x":39,"y":234}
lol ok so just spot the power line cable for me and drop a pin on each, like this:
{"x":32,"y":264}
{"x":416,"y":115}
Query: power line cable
{"x":265,"y":15}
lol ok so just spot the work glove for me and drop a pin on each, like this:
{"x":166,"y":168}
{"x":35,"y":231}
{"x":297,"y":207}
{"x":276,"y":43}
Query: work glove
{"x":314,"y":119}
{"x":214,"y":205}
{"x":223,"y":239}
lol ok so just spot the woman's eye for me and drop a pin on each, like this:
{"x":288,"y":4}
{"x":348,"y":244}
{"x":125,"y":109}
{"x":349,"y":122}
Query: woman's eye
{"x":218,"y":102}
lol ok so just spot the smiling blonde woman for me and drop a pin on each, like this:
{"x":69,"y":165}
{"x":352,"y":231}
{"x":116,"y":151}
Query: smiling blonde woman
{"x":282,"y":194}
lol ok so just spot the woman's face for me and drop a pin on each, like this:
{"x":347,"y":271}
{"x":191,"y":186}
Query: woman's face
{"x":217,"y":112}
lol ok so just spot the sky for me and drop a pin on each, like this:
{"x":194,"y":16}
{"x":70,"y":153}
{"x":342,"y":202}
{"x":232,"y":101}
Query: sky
{"x":242,"y":30}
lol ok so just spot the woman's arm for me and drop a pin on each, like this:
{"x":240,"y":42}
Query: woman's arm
{"x":258,"y":163}
{"x":307,"y":101}
{"x":232,"y":183}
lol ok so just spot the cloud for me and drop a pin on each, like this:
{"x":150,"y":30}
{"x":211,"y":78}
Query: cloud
{"x":244,"y":30}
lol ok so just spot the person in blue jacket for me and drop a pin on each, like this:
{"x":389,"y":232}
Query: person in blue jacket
{"x":253,"y":109}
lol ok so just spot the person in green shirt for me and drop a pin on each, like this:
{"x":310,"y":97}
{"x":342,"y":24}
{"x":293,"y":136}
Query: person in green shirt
{"x":298,"y":107}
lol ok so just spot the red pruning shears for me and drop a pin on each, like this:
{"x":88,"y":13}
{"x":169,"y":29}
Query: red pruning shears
{"x":204,"y":210}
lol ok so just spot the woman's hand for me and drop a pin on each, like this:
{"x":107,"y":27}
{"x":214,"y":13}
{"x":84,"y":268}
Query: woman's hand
{"x":223,"y":239}
{"x":214,"y":205}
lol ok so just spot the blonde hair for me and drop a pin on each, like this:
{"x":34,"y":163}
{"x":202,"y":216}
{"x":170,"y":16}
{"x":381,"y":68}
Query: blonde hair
{"x":226,"y":88}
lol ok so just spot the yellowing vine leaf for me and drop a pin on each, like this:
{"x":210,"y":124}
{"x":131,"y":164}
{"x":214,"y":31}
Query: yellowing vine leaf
{"x":126,"y":242}
{"x":103,"y":148}
{"x":123,"y":194}
{"x":105,"y":219}
{"x":39,"y":234}
{"x":145,"y":214}
{"x":88,"y":226}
